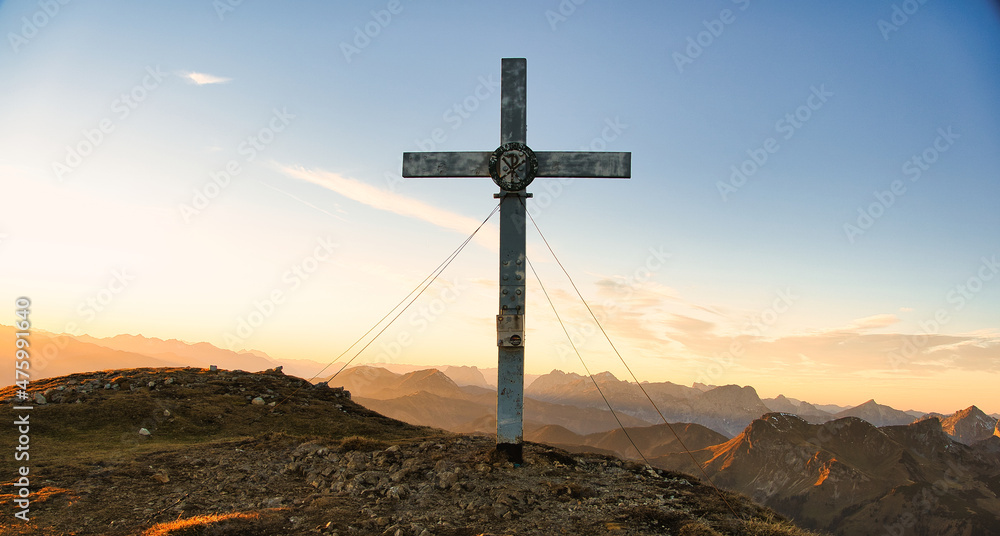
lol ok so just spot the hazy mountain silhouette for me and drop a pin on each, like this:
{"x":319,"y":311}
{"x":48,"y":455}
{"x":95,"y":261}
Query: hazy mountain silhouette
{"x":809,"y":412}
{"x":877,"y":414}
{"x":378,"y":383}
{"x":59,"y":355}
{"x":656,"y":440}
{"x":726,"y":409}
{"x":466,"y":375}
{"x":176,"y":352}
{"x":431,"y":397}
{"x":832,"y":409}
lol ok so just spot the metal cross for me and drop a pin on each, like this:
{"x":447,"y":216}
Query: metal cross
{"x":513,"y":166}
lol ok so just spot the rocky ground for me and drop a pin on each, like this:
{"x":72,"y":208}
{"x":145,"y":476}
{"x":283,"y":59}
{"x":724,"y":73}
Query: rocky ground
{"x":199,"y":472}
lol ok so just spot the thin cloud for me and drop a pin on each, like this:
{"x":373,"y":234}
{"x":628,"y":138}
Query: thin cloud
{"x":864,"y":324}
{"x":203,"y":78}
{"x":304,"y":202}
{"x":687,"y":324}
{"x":392,"y":202}
{"x":875,"y":321}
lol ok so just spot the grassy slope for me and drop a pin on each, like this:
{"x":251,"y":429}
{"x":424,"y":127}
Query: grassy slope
{"x":93,"y":472}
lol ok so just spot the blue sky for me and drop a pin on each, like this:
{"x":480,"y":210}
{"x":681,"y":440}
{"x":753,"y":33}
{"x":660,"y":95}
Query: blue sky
{"x":841,"y":268}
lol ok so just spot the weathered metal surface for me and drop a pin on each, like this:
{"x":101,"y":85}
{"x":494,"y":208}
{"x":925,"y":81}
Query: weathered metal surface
{"x":584,"y":165}
{"x":441,"y":164}
{"x":510,"y":395}
{"x":513,"y":100}
{"x":573,"y":164}
{"x":510,"y":321}
{"x":510,"y":377}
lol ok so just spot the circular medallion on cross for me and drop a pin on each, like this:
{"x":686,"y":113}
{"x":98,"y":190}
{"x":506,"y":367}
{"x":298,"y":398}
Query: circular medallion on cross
{"x":513,"y":166}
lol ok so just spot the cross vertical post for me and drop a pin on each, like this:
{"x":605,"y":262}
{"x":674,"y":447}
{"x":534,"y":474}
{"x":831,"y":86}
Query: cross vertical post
{"x":513,"y":166}
{"x":513,"y":252}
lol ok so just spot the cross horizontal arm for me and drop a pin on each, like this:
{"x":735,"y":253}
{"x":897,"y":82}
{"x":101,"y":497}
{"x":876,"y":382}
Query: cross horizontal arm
{"x":451,"y":164}
{"x":572,"y":164}
{"x":584,"y":165}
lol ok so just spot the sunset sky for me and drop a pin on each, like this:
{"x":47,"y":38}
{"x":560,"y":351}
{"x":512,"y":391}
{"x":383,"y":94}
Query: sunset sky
{"x":813,"y":208}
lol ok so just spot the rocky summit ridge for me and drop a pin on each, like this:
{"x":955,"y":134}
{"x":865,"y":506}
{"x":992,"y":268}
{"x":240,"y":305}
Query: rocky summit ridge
{"x":189,"y":451}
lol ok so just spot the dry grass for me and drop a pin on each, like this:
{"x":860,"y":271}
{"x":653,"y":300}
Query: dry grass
{"x":94,"y":437}
{"x":104,"y":426}
{"x":231,"y":524}
{"x":771,"y":526}
{"x":94,"y":446}
{"x":363,"y":444}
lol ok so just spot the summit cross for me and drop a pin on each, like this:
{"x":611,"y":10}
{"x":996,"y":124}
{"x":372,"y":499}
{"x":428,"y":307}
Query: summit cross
{"x":513,"y":166}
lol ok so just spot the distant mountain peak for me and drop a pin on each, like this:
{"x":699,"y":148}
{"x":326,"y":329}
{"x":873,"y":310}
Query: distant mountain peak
{"x":971,"y":410}
{"x":425,"y":373}
{"x":605,"y":376}
{"x":877,"y":414}
{"x":556,"y":373}
{"x":968,"y":425}
{"x":735,"y":393}
{"x":466,"y":375}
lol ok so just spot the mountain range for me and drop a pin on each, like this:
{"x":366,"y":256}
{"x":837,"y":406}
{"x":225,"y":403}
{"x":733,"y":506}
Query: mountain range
{"x":840,"y":472}
{"x":432,"y":398}
{"x":850,"y":477}
{"x":868,"y":469}
{"x":724,"y":409}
